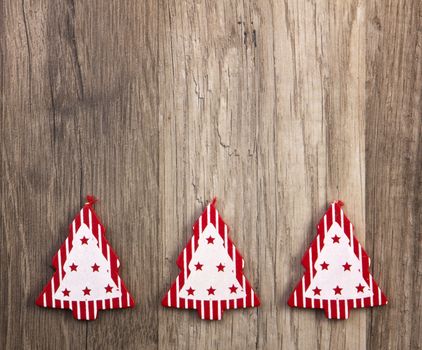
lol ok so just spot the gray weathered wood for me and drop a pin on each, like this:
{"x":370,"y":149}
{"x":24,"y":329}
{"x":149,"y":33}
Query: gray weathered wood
{"x":394,"y":169}
{"x":274,"y":107}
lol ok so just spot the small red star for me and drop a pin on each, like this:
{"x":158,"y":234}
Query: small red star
{"x":336,"y":239}
{"x":360,"y":288}
{"x":84,"y":240}
{"x":108,"y":288}
{"x":316,"y":291}
{"x":220,"y":267}
{"x":324,"y":265}
{"x":190,"y":291}
{"x":95,"y":268}
{"x":66,"y":292}
{"x":211,"y":290}
{"x":233,"y":289}
{"x":86,"y":291}
{"x":73,"y":267}
{"x":198,"y":266}
{"x":337,"y":290}
{"x":210,"y":240}
{"x":347,"y":266}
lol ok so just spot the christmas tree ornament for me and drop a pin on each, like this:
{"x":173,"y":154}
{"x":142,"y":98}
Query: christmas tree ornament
{"x":337,"y":276}
{"x":211,"y":278}
{"x":87,"y":271}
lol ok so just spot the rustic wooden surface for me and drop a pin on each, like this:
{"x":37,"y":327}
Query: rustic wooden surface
{"x":275,"y":107}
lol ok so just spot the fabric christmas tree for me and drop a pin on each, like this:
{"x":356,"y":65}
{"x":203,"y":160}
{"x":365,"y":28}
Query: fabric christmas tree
{"x":211,"y":278}
{"x":337,"y":276}
{"x":86,"y":278}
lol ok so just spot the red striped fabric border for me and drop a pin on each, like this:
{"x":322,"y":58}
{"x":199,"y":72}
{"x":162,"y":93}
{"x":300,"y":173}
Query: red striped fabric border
{"x":85,"y":310}
{"x":335,"y":309}
{"x":209,"y":310}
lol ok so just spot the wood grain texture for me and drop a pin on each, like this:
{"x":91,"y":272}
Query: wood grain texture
{"x":394,"y":169}
{"x":275,"y":107}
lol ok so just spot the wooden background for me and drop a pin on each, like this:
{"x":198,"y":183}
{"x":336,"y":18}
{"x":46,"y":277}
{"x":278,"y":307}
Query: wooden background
{"x":275,"y":107}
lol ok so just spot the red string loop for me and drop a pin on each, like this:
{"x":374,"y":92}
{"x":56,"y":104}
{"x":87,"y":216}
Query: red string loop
{"x":90,"y":199}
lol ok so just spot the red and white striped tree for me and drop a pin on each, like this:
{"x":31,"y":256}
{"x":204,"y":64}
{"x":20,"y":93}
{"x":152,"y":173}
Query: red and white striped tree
{"x":337,"y":276}
{"x":86,"y":278}
{"x":211,"y":278}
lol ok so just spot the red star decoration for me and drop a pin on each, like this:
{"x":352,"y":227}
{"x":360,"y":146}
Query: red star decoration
{"x":190,"y":291}
{"x":336,"y":239}
{"x":337,"y":290}
{"x":198,"y":266}
{"x":95,"y":268}
{"x":86,"y":291}
{"x":324,"y":265}
{"x":220,"y":267}
{"x":211,"y":290}
{"x":233,"y":289}
{"x":210,"y":240}
{"x":84,"y":240}
{"x":316,"y":291}
{"x":360,"y":288}
{"x":66,"y":292}
{"x":347,"y":266}
{"x":108,"y":288}
{"x":73,"y":267}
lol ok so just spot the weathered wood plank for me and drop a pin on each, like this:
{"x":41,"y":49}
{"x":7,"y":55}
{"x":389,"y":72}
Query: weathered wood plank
{"x":394,"y":168}
{"x":79,"y":117}
{"x":311,"y":152}
{"x":207,"y":148}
